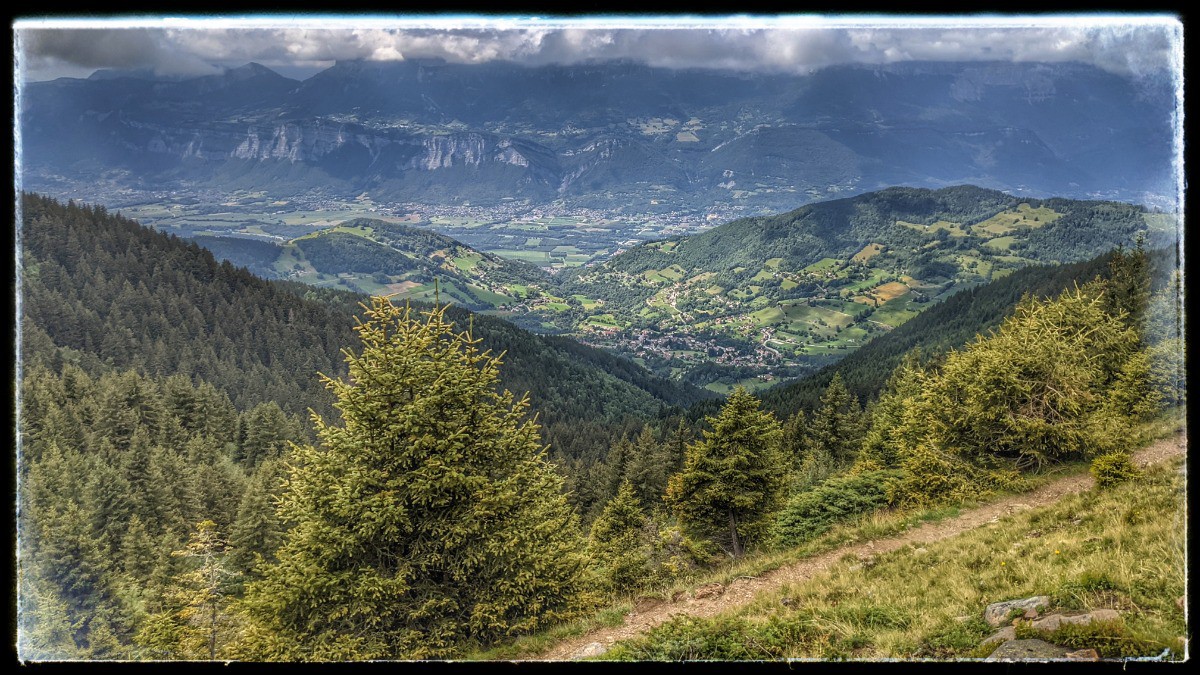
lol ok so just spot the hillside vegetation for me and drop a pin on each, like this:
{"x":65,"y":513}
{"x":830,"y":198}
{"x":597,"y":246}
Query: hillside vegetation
{"x":746,"y":303}
{"x":104,"y":293}
{"x":1121,"y":549}
{"x":170,"y":509}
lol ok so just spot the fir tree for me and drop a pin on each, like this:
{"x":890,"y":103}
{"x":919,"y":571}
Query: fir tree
{"x":794,"y":443}
{"x":733,"y":479}
{"x":430,"y":517}
{"x":903,"y":388}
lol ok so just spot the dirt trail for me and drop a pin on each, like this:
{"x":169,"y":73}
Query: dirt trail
{"x":742,"y":591}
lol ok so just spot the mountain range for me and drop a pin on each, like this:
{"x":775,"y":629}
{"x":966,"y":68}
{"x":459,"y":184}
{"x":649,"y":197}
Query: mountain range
{"x":611,"y":135}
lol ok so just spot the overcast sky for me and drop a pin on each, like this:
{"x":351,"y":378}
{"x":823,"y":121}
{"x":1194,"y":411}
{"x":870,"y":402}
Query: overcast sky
{"x":1127,"y":45}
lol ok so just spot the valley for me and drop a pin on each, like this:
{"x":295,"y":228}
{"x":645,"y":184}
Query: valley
{"x":751,"y":302}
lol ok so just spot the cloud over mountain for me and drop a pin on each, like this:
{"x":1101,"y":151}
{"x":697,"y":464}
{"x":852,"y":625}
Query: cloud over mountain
{"x":1123,"y":45}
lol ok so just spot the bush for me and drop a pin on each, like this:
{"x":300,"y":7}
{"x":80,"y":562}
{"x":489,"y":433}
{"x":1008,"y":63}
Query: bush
{"x":812,"y":512}
{"x":1114,"y":468}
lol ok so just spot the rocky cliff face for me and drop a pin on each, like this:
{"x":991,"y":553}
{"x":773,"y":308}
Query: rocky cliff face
{"x":615,"y":131}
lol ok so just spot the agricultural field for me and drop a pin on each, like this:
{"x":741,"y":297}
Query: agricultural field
{"x":954,"y":229}
{"x":1009,"y":221}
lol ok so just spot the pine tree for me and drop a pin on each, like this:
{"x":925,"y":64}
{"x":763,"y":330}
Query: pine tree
{"x":267,"y":431}
{"x":137,"y":550}
{"x":903,"y":388}
{"x":733,"y":479}
{"x":615,"y":544}
{"x":1128,"y":287}
{"x":616,"y":466}
{"x":428,"y":518}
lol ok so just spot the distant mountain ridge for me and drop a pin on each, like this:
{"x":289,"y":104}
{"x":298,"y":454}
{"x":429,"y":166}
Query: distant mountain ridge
{"x":611,"y":135}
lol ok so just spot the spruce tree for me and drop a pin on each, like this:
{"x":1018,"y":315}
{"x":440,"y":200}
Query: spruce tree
{"x":615,"y":544}
{"x":428,"y":517}
{"x":794,"y":443}
{"x":647,"y":470}
{"x":903,"y":388}
{"x":733,"y":479}
{"x":194,"y":620}
{"x":836,"y":427}
{"x":257,"y":531}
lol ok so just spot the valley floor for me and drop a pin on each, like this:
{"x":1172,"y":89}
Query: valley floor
{"x":742,"y":591}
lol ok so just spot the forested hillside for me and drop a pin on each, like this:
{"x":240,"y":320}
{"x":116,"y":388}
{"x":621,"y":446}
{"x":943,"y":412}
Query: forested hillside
{"x":106,"y":294}
{"x":174,"y":504}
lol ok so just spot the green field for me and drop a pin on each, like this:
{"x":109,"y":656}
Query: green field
{"x":468,"y":262}
{"x":1012,"y":220}
{"x":822,"y":265}
{"x":955,"y":229}
{"x":535,"y":257}
{"x":1000,"y":243}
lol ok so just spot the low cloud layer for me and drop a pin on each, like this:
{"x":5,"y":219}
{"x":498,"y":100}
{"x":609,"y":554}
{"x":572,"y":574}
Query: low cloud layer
{"x":1122,"y":46}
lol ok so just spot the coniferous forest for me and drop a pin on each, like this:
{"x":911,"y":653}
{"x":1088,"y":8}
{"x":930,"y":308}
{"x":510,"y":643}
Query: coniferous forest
{"x":215,"y":466}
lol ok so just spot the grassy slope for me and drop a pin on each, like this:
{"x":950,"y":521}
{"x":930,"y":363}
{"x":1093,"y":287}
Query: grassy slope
{"x":867,"y":527}
{"x":1123,"y":549}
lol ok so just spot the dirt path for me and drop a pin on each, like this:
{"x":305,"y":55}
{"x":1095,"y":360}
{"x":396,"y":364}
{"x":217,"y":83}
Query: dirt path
{"x":742,"y":591}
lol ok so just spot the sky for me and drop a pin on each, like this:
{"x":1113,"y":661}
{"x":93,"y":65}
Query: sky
{"x":1128,"y":45}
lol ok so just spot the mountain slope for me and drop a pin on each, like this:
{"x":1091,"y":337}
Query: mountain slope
{"x":871,"y":599}
{"x":949,"y":324}
{"x":783,"y":294}
{"x":106,"y":293}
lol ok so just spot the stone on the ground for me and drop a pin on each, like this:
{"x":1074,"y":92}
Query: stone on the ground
{"x":997,"y":612}
{"x":588,"y":650}
{"x":1084,"y":655}
{"x":1031,"y":613}
{"x":1003,"y":635}
{"x":1053,"y":621}
{"x":1027,"y":650}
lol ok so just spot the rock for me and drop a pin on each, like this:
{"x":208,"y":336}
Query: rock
{"x":1084,"y":655}
{"x":787,"y":602}
{"x":645,"y":603}
{"x":709,"y":591}
{"x":1031,"y":613}
{"x":996,"y":613}
{"x":1053,"y":621}
{"x":588,"y":650}
{"x":1027,"y":650}
{"x":1003,"y":635}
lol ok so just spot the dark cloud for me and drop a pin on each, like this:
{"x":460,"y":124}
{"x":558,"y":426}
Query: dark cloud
{"x":1130,"y":48}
